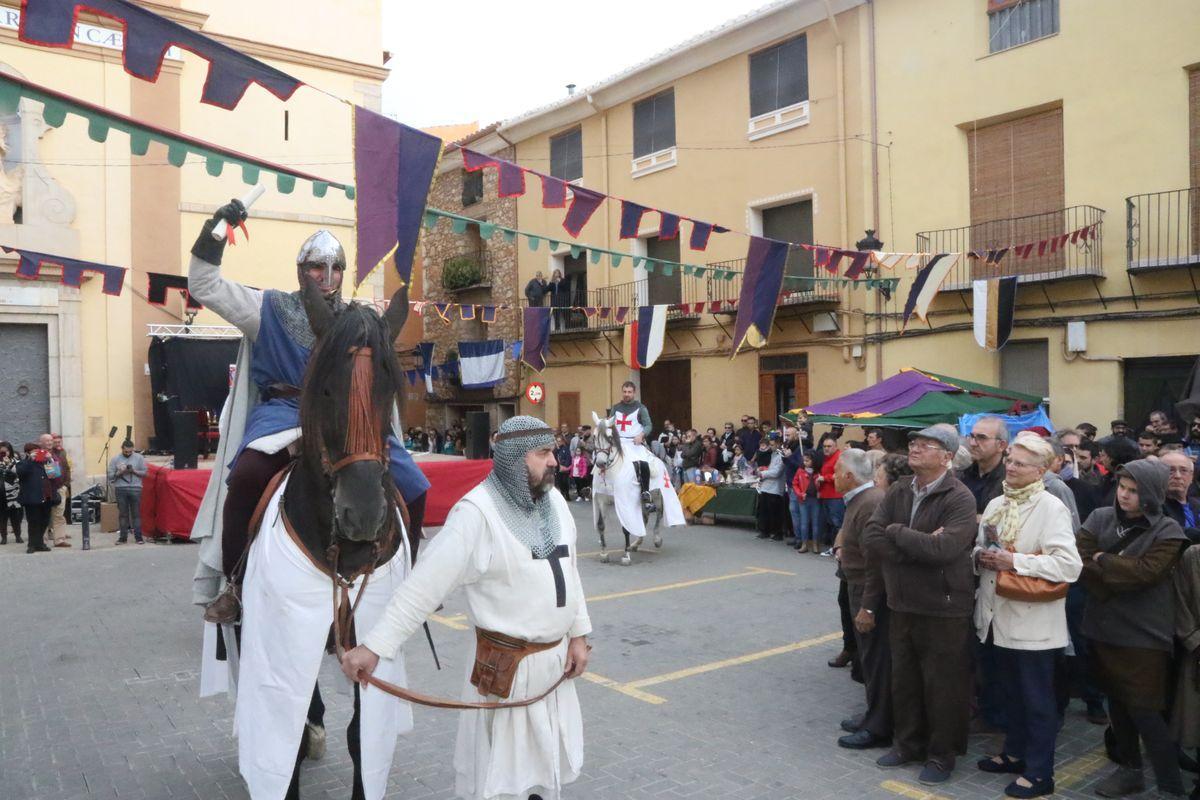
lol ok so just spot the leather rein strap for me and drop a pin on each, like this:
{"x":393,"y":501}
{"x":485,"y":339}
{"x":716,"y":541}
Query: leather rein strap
{"x":399,"y":691}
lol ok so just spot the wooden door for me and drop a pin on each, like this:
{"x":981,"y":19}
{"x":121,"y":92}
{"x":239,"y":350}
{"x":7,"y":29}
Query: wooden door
{"x":568,"y":409}
{"x":766,"y":397}
{"x":667,"y":393}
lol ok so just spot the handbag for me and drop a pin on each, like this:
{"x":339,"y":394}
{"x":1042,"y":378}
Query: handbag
{"x":1027,"y":588}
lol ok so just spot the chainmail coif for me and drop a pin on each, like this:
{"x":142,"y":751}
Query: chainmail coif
{"x":533,"y":522}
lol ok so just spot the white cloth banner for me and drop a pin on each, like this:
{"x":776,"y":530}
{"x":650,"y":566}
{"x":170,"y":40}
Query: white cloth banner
{"x":481,"y":363}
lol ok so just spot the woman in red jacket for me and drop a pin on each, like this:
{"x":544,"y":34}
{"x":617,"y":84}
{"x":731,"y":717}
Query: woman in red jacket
{"x":833,"y":509}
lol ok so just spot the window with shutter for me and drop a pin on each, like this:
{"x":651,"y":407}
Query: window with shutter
{"x":779,"y":76}
{"x":566,"y":155}
{"x":1017,"y":186}
{"x":1016,"y":22}
{"x":654,"y":123}
{"x":1025,"y":367}
{"x":792,"y":223}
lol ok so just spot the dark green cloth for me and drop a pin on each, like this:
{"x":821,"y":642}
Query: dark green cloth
{"x":733,"y":501}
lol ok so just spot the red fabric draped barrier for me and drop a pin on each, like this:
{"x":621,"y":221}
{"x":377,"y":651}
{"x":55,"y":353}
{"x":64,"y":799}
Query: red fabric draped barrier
{"x":171,"y":497}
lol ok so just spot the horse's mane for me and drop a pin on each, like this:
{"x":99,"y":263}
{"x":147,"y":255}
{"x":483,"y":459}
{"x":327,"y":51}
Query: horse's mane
{"x":325,"y":393}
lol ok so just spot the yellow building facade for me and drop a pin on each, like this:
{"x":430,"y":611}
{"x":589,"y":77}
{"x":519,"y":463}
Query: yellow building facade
{"x":94,"y":201}
{"x":752,"y":164}
{"x":943,"y":126}
{"x":1094,"y":107}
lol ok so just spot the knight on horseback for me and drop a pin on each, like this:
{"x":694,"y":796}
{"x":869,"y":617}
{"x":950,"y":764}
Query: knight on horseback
{"x":631,"y":420}
{"x":260,"y":435}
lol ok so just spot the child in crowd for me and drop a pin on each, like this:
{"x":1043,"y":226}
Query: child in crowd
{"x":808,"y":518}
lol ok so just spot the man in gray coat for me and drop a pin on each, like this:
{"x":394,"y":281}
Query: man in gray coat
{"x":125,"y":473}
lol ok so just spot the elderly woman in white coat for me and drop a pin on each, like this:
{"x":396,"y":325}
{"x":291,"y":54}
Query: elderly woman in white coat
{"x":1026,"y":531}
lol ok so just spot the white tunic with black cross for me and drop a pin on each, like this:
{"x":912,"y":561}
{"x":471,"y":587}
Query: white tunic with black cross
{"x":506,"y":753}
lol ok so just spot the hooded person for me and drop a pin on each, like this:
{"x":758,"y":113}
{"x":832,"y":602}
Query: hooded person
{"x":510,"y":544}
{"x":260,"y":422}
{"x":1129,"y":551}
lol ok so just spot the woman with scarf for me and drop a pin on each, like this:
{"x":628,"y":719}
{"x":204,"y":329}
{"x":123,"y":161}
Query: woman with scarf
{"x":1026,"y":531}
{"x":11,"y":512}
{"x":1129,"y":553}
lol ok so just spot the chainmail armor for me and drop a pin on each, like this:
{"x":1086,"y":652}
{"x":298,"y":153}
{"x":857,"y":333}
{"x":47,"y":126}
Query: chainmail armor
{"x":289,"y":307}
{"x":533,"y":522}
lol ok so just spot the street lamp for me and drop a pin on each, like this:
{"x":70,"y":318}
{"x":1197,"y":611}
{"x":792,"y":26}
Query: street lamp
{"x":871,"y":242}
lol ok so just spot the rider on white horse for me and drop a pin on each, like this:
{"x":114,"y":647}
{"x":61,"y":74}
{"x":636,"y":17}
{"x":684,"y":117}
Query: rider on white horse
{"x":631,"y":420}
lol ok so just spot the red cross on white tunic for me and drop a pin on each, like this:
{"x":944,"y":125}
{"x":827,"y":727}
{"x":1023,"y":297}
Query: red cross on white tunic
{"x":623,"y":422}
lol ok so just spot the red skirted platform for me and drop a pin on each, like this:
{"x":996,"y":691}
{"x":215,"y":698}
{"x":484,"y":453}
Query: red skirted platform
{"x":171,"y":497}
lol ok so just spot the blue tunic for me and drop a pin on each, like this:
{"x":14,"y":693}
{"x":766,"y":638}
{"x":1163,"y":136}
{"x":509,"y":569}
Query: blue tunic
{"x":276,"y":358}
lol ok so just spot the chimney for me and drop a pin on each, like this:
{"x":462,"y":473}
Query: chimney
{"x":570,"y":89}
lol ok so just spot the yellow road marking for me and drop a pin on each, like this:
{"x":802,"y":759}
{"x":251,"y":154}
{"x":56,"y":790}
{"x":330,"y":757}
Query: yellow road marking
{"x":665,"y":587}
{"x":453,"y":623}
{"x":746,"y":573}
{"x":1077,"y":771}
{"x":732,"y":662}
{"x":910,"y":791}
{"x":624,"y":688}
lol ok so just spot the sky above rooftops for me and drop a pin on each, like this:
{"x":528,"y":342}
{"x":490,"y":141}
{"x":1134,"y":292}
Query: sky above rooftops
{"x":490,"y":61}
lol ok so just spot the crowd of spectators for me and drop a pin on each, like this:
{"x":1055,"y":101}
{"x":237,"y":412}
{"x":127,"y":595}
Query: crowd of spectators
{"x":986,"y":581}
{"x":36,"y":481}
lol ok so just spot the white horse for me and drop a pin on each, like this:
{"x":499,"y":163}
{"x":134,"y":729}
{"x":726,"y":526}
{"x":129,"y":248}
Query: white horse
{"x":609,"y":479}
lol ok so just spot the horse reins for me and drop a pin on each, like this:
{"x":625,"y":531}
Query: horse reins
{"x":364,"y":442}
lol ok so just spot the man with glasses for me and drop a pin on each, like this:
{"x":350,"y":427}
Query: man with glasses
{"x":987,"y":442}
{"x":922,"y":535}
{"x":1178,"y":506}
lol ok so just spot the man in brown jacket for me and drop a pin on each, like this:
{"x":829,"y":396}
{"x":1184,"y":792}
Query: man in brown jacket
{"x":853,"y":478}
{"x":922,"y":535}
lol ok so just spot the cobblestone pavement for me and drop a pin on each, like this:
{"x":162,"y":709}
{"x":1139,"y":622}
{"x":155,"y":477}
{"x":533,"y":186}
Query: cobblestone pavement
{"x":709,"y":681}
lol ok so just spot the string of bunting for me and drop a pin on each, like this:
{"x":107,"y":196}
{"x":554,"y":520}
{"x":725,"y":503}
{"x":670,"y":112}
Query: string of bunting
{"x":459,"y":224}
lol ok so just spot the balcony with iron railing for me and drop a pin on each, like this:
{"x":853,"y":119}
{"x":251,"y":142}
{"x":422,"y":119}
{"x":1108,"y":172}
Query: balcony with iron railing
{"x":679,"y":292}
{"x":1074,"y":260}
{"x":470,"y":269}
{"x":1163,"y":230}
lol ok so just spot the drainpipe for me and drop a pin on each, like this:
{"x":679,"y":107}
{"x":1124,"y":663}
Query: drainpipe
{"x":843,"y":179}
{"x":608,"y":278}
{"x":875,"y":177}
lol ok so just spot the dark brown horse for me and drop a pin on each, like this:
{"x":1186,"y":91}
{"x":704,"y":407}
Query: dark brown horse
{"x":340,"y":503}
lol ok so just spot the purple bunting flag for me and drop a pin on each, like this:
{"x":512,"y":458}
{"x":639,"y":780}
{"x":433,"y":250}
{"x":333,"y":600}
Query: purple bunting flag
{"x":31,"y":263}
{"x":554,"y":192}
{"x":393,"y":167}
{"x":761,"y":282}
{"x":583,"y":206}
{"x":512,"y":180}
{"x":631,"y":219}
{"x":51,"y":23}
{"x":858,"y":262}
{"x":536,"y":337}
{"x":669,"y":227}
{"x":488,"y":314}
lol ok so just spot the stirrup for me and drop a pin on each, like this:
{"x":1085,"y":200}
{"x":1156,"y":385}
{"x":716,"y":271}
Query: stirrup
{"x":227,"y":608}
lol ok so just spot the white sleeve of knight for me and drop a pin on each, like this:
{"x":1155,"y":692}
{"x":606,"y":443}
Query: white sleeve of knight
{"x":238,"y":305}
{"x":457,"y":556}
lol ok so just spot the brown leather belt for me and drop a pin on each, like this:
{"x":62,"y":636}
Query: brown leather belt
{"x":498,"y":639}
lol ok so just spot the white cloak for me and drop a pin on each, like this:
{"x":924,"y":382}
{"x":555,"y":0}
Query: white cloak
{"x":505,"y":754}
{"x":287,"y":608}
{"x":627,"y":492}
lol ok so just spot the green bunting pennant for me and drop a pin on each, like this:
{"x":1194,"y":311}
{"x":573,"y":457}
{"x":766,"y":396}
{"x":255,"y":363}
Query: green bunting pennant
{"x":698,"y":272}
{"x":595,"y":256}
{"x":97,"y":130}
{"x":458,"y":225}
{"x":487,"y":230}
{"x":176,"y":154}
{"x":430,"y":221}
{"x":214,"y":165}
{"x":638,"y":261}
{"x":55,"y":114}
{"x":285,"y":183}
{"x":250,"y":173}
{"x":576,"y":250}
{"x":510,"y":235}
{"x":139,"y":143}
{"x":320,"y":188}
{"x":533,"y":242}
{"x":616,"y":259}
{"x":667,"y":268}
{"x":554,"y":245}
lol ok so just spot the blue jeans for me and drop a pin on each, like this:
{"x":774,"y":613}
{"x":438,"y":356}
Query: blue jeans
{"x":806,"y":516}
{"x":833,"y":511}
{"x":1026,"y":678}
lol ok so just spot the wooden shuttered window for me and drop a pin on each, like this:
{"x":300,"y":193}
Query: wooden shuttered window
{"x":1017,"y":187}
{"x":566,"y":155}
{"x":654,"y":123}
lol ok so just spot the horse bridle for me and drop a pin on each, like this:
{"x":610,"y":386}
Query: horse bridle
{"x":360,"y":445}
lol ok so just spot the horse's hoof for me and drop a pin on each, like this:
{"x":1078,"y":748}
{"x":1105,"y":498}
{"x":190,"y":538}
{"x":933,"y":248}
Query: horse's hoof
{"x":626,"y":560}
{"x":604,"y":558}
{"x":657,"y":540}
{"x":315,"y":749}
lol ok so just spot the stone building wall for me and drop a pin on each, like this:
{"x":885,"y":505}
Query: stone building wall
{"x":441,"y":244}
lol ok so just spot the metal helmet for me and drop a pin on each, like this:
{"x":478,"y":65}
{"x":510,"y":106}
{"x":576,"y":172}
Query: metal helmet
{"x":322,"y":249}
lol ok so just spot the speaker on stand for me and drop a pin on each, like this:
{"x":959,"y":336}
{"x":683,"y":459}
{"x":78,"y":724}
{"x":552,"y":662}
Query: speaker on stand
{"x":479,"y":431}
{"x":184,"y":431}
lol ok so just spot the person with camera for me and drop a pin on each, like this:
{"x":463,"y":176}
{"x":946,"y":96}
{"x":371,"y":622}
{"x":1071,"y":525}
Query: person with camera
{"x":125,"y":473}
{"x":37,"y":494}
